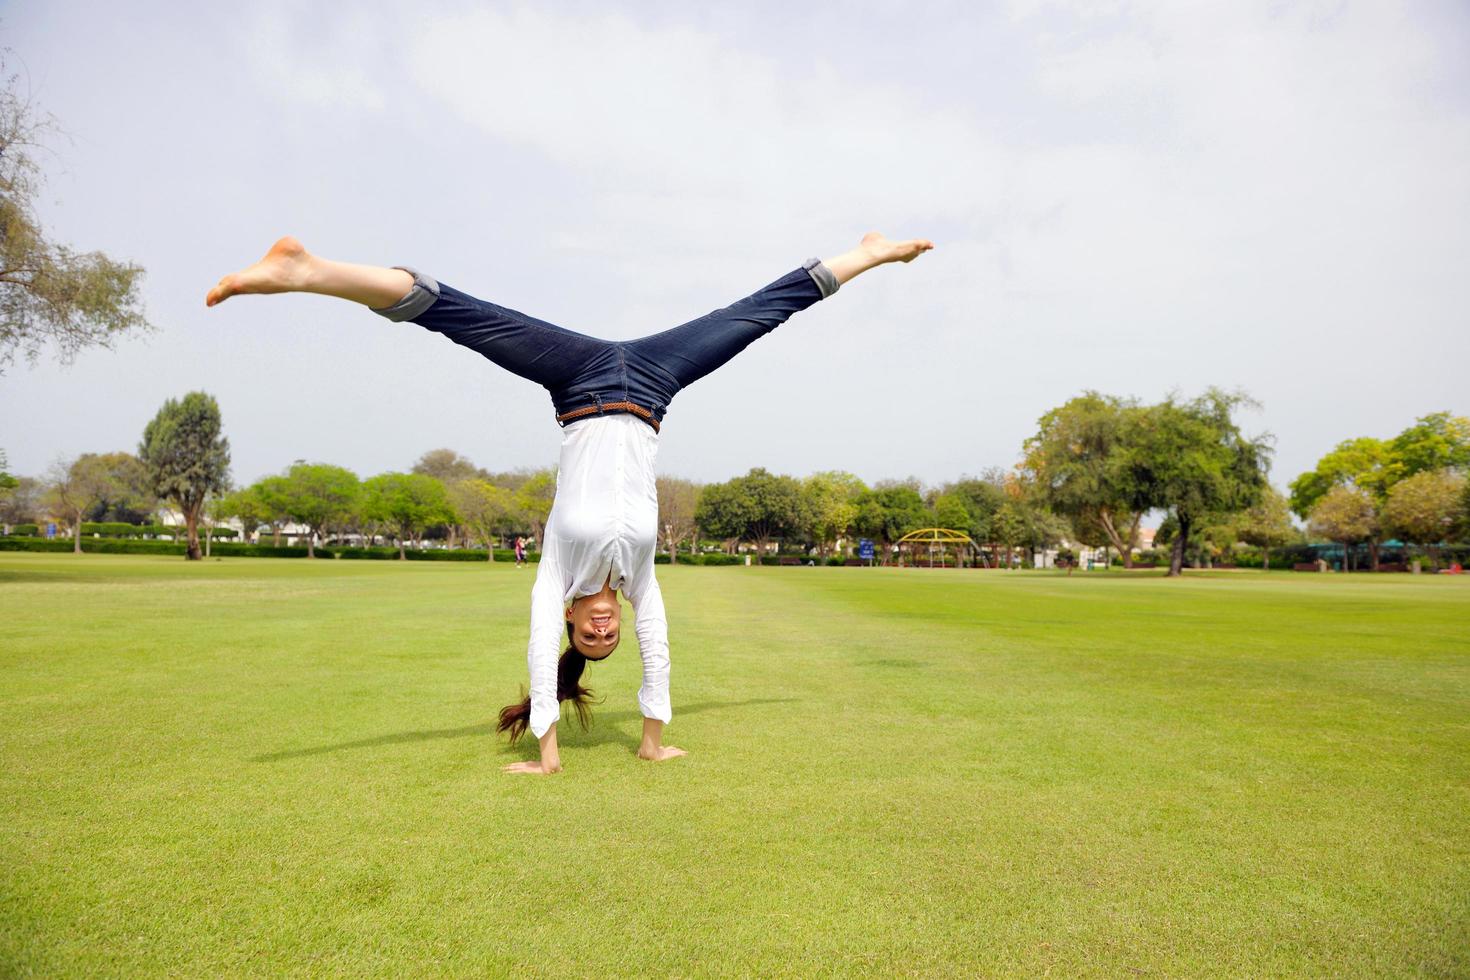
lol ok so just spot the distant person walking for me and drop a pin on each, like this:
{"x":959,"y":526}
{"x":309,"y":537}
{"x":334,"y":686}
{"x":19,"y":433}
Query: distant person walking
{"x":610,"y":398}
{"x":520,"y":551}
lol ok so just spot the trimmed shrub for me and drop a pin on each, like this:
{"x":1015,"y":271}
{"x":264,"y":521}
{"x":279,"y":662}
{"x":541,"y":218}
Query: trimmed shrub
{"x":662,"y":558}
{"x":412,"y":554}
{"x":129,"y":546}
{"x":27,"y":543}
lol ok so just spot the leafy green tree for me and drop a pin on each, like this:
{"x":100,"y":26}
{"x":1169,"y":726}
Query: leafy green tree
{"x":534,"y":499}
{"x":1267,"y":525}
{"x":677,"y":500}
{"x":1076,"y":463}
{"x":1010,"y":529}
{"x":982,"y":498}
{"x":1365,"y":463}
{"x":246,"y":506}
{"x":724,"y":511}
{"x":75,"y":488}
{"x":1462,"y":519}
{"x":1345,"y":515}
{"x":273,"y":493}
{"x":1423,"y":509}
{"x":484,"y":508}
{"x":7,"y":481}
{"x":756,"y":507}
{"x":127,"y":496}
{"x":49,"y":293}
{"x":831,"y":506}
{"x":1192,"y":459}
{"x":888,"y":511}
{"x":448,"y":466}
{"x":319,"y":495}
{"x":408,"y":503}
{"x":952,"y":511}
{"x":187,"y":457}
{"x":21,"y":504}
{"x":1435,"y":442}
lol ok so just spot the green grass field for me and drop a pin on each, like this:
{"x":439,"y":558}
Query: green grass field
{"x":268,"y":766}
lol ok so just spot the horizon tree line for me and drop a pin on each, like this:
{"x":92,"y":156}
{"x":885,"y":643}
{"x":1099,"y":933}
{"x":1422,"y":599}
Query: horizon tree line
{"x":1094,"y":468}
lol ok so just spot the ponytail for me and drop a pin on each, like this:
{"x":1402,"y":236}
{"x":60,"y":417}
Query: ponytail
{"x":516,"y":718}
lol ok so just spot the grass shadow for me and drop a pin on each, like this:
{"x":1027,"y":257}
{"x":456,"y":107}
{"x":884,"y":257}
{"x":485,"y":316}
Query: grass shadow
{"x":597,"y":735}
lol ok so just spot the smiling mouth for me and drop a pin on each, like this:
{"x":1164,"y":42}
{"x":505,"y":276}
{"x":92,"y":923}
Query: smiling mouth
{"x":601,"y":619}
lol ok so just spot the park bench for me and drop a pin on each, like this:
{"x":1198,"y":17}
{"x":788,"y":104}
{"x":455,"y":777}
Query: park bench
{"x":1304,"y":566}
{"x":789,"y":560}
{"x":853,"y":563}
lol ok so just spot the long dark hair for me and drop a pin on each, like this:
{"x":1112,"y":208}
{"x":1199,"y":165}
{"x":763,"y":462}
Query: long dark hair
{"x":516,"y":718}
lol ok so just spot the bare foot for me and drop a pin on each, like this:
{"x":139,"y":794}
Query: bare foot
{"x":284,"y":268}
{"x":885,"y":250}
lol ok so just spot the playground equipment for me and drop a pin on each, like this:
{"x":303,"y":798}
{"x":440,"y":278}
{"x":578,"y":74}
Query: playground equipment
{"x":939,"y":540}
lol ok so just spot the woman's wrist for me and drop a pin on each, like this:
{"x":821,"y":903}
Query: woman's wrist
{"x":550,"y":757}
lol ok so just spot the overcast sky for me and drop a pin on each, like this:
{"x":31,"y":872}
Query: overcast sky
{"x":1127,"y":197}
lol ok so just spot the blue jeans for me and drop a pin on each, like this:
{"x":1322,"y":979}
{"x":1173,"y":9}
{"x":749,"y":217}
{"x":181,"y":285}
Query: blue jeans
{"x":583,"y":372}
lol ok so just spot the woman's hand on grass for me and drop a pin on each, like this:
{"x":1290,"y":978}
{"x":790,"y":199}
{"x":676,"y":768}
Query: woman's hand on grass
{"x":550,"y":761}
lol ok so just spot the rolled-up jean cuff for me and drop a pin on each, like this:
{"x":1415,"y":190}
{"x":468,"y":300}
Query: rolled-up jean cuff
{"x":822,"y":276}
{"x":424,"y":294}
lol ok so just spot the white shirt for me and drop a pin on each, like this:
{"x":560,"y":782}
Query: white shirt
{"x":603,"y":527}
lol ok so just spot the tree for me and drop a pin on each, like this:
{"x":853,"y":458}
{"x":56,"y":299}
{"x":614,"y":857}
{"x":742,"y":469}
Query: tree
{"x":1435,"y":442}
{"x":1267,"y":525}
{"x":49,"y":293}
{"x":1192,"y":459}
{"x":1365,"y":463}
{"x":677,"y":500}
{"x":319,"y":494}
{"x":1424,"y":509}
{"x":952,"y":511}
{"x":888,"y":511}
{"x":273,"y":493}
{"x":982,"y":497}
{"x":187,"y":457}
{"x":1076,"y":463}
{"x":1010,"y":529}
{"x":448,"y":466}
{"x":246,"y":506}
{"x":126,"y":495}
{"x":1462,"y":525}
{"x":484,"y":508}
{"x":1345,"y":515}
{"x":725,"y":512}
{"x":534,"y":500}
{"x":755,"y":507}
{"x":21,"y":504}
{"x":831,"y":506}
{"x":76,"y":486}
{"x":7,"y":482}
{"x":406,"y":502}
{"x":1023,"y":521}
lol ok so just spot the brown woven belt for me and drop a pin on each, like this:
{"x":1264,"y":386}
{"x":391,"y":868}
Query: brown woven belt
{"x":605,"y":407}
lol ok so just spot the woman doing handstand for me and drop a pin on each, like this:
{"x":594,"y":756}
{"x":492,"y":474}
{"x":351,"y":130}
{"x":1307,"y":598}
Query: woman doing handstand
{"x":610,"y":397}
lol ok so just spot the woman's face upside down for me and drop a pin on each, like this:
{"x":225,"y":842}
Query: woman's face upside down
{"x":595,"y":622}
